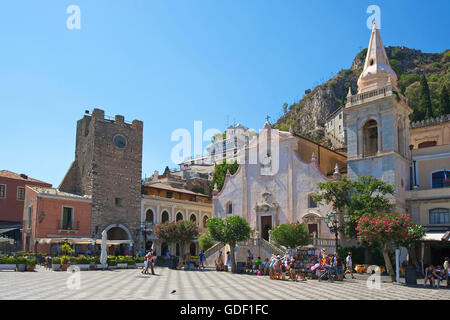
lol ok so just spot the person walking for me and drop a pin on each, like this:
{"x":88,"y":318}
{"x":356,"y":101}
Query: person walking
{"x":228,"y":259}
{"x":201,"y":256}
{"x":447,"y":270}
{"x":145,"y":270}
{"x":349,"y":264}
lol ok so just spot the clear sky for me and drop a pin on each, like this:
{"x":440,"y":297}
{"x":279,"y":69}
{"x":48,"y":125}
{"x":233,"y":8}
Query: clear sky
{"x":172,"y":62}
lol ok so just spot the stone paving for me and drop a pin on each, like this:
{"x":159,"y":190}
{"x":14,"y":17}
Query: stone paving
{"x":197,"y":285}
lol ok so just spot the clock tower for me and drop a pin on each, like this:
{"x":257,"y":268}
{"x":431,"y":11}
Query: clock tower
{"x":108,"y":167}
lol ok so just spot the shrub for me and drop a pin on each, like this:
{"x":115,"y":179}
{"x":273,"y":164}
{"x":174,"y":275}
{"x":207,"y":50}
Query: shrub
{"x":20,"y":260}
{"x":57,"y":260}
{"x":7,"y":260}
{"x":31,"y":262}
{"x":112,"y":262}
{"x":83,"y":260}
{"x":139,"y":259}
{"x":205,"y":241}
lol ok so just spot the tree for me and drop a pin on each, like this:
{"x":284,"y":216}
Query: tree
{"x":67,"y":249}
{"x":386,"y":230}
{"x":366,"y":195}
{"x":205,"y":241}
{"x":291,"y":235}
{"x":285,"y":107}
{"x":444,"y":100}
{"x":220,"y":172}
{"x":180,"y":232}
{"x":229,"y":231}
{"x":424,"y":99}
{"x":415,"y":236}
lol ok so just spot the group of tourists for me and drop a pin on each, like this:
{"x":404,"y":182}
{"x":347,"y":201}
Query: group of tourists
{"x":435,"y":274}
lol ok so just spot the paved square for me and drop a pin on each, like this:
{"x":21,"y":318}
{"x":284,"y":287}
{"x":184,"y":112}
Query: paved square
{"x":196,"y":285}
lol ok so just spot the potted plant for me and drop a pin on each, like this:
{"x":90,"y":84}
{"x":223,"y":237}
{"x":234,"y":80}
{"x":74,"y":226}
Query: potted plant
{"x":112,"y":263}
{"x":56,"y":263}
{"x":122,"y":262}
{"x":64,"y":263}
{"x":131,"y":263}
{"x":31,"y":264}
{"x":83,"y":262}
{"x":139,"y":262}
{"x":21,"y":263}
{"x":7,"y":263}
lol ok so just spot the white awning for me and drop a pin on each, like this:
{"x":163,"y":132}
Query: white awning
{"x":8,"y":229}
{"x":3,"y":240}
{"x":434,"y":236}
{"x":70,"y":240}
{"x":114,"y":242}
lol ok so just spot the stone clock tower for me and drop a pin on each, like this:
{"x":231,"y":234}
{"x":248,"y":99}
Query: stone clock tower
{"x":377,"y":121}
{"x":108,"y":166}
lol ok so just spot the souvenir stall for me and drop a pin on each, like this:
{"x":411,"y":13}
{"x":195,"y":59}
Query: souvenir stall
{"x":306,"y":257}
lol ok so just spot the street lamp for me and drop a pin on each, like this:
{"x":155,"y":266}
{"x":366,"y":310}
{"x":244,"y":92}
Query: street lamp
{"x":332,"y":221}
{"x":144,"y":230}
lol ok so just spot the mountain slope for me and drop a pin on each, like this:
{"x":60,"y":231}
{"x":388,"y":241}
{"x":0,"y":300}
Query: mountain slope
{"x":307,"y":117}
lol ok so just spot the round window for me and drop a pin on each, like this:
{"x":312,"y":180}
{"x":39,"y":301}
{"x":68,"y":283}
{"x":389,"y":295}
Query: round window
{"x":120,"y":141}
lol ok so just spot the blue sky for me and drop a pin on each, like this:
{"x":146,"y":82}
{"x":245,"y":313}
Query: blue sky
{"x":170,"y":63}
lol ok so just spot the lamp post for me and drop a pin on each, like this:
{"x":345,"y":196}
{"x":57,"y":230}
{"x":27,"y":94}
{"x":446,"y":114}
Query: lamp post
{"x":144,"y":230}
{"x":332,"y":221}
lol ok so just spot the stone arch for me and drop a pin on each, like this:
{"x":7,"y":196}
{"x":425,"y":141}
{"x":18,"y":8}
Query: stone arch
{"x":179,"y":216}
{"x":118,"y":230}
{"x":205,"y":219}
{"x":164,"y":216}
{"x":370,"y":138}
{"x":149,"y":216}
{"x":193,"y":218}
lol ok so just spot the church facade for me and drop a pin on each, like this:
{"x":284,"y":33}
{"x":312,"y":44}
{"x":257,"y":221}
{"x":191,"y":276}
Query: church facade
{"x":275,"y":184}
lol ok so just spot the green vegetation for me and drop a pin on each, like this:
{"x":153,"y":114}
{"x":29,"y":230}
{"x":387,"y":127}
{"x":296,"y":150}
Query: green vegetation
{"x":291,"y":235}
{"x":220,"y":173}
{"x":229,"y":231}
{"x":205,"y":241}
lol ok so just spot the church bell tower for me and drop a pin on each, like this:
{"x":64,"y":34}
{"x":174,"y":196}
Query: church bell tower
{"x":377,"y":120}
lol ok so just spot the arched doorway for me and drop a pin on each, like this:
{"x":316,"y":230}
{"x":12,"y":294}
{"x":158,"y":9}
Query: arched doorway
{"x":118,"y":232}
{"x":179,"y":216}
{"x":193,"y":249}
{"x":205,"y":220}
{"x":164,"y":217}
{"x":193,"y":218}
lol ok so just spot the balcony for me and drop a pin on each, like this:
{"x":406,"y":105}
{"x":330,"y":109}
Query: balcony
{"x":73,"y":227}
{"x":323,"y":243}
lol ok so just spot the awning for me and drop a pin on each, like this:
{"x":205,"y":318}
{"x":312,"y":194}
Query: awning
{"x":8,"y":229}
{"x":3,"y":240}
{"x":434,"y":236}
{"x":82,"y":241}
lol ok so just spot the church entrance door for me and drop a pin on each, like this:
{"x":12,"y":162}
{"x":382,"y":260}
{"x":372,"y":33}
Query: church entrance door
{"x":266,"y":226}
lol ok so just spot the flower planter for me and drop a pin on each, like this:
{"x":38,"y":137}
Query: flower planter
{"x":21,"y":267}
{"x":112,"y":267}
{"x":56,"y":267}
{"x":140,"y":265}
{"x":83,"y":267}
{"x":7,"y":267}
{"x":122,"y":265}
{"x":31,"y":268}
{"x":64,"y":267}
{"x":131,"y":266}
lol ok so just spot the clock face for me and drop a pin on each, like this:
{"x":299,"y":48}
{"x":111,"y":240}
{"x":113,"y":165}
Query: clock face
{"x":120,"y":142}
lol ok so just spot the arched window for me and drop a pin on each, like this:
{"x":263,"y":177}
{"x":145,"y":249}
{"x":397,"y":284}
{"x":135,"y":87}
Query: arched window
{"x":439,"y":216}
{"x":229,"y":207}
{"x":401,"y":139}
{"x":149,"y":216}
{"x":370,"y":138}
{"x":427,"y":144}
{"x":440,"y":179}
{"x":193,"y":218}
{"x":179,"y":216}
{"x":205,"y":219}
{"x":164,"y":217}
